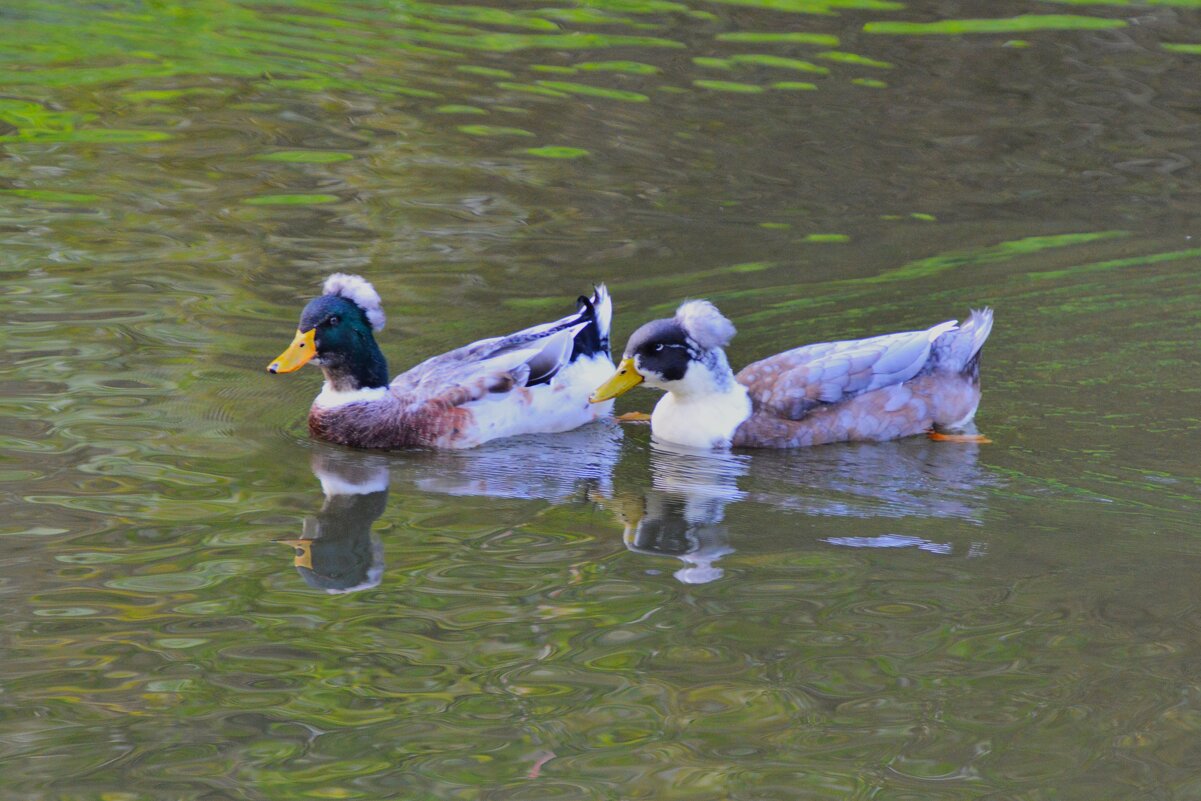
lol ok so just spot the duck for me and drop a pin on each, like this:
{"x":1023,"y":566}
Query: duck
{"x":881,"y":388}
{"x":536,"y":380}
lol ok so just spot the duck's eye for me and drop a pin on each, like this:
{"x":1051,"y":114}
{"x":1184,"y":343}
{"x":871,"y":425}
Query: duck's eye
{"x":332,"y":321}
{"x":658,"y":347}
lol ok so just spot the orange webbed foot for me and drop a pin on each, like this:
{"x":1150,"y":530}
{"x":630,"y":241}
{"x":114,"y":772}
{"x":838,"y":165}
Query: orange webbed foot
{"x":974,"y":439}
{"x":633,"y":417}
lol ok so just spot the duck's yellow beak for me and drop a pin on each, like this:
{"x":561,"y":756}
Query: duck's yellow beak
{"x":626,"y":378}
{"x":298,"y":353}
{"x":303,"y":555}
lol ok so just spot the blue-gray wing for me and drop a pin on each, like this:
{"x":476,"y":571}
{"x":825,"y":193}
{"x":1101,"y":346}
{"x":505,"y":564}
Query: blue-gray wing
{"x":496,"y":364}
{"x":793,"y":382}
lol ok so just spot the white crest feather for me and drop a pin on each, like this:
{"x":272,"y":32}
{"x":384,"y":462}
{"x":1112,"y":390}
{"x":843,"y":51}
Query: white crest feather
{"x":359,"y":291}
{"x":708,"y":327}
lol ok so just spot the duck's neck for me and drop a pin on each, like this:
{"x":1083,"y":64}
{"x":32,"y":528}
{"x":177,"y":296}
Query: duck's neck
{"x":706,"y":376}
{"x":360,"y":377}
{"x":362,"y":368}
{"x":704,"y":408}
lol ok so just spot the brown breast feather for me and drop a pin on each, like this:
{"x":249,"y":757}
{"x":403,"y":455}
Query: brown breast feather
{"x":406,"y":421}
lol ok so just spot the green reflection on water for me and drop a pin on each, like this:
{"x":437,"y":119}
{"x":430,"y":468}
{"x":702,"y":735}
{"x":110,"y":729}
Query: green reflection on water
{"x":1116,"y":264}
{"x":728,"y":86}
{"x":926,"y":268}
{"x":35,"y":122}
{"x":557,"y":152}
{"x":458,"y":108}
{"x":50,"y":196}
{"x":306,"y":156}
{"x":556,"y":69}
{"x":921,"y":270}
{"x":628,"y":67}
{"x":778,"y":62}
{"x":291,"y":200}
{"x":817,"y":6}
{"x":531,"y":89}
{"x":1027,"y":22}
{"x":480,"y":15}
{"x":853,"y":58}
{"x":489,"y":72}
{"x":159,"y":95}
{"x":779,"y":38}
{"x":587,"y":90}
{"x":89,"y":136}
{"x":510,"y":42}
{"x":493,"y":130}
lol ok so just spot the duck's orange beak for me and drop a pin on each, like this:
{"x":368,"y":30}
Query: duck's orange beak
{"x":297,"y":355}
{"x":626,"y":378}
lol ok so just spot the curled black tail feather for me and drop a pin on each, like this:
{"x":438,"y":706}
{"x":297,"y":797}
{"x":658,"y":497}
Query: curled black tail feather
{"x":593,"y":338}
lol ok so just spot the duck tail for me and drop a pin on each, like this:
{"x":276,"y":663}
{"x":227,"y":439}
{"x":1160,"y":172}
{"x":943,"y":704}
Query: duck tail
{"x":959,"y":349}
{"x":597,"y":313}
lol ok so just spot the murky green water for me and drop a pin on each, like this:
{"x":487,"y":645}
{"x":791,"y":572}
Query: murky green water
{"x":589,"y":616}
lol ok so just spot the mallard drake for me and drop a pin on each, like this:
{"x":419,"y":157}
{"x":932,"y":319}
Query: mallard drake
{"x":536,"y":380}
{"x":880,"y":388}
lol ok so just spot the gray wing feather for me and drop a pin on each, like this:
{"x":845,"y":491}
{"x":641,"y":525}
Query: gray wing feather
{"x":533,"y":354}
{"x":795,"y":381}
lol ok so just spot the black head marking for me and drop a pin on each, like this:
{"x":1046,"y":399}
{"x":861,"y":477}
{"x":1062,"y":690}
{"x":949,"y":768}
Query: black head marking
{"x":663,"y":348}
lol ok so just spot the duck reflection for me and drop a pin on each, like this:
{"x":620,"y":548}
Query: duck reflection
{"x":905,"y":478}
{"x":337,"y":552}
{"x":552,"y":467}
{"x":686,"y":509}
{"x":683,"y":512}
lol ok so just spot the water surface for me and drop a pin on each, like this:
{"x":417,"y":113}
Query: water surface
{"x":596,"y":616}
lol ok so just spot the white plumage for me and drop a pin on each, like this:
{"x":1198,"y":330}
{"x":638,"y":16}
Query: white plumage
{"x":704,"y":324}
{"x":358,"y":290}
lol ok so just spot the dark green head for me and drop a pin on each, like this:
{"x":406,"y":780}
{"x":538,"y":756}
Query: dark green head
{"x":336,"y":332}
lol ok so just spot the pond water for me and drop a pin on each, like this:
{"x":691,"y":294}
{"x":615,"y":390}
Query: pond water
{"x":593,"y":616}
